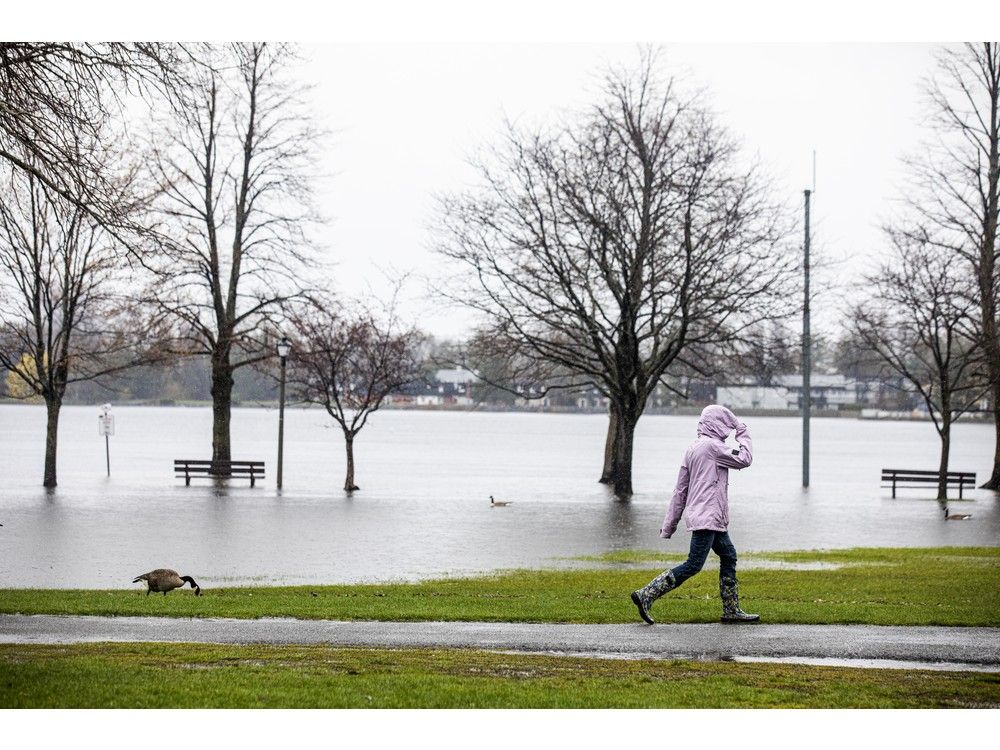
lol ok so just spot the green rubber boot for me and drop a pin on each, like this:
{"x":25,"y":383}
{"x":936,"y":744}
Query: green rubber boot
{"x":729,"y":590}
{"x":643,"y":598}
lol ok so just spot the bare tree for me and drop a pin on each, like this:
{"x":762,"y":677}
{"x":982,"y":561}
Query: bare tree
{"x":955,"y":193}
{"x":65,"y":316}
{"x":58,"y":102}
{"x":618,"y":246}
{"x":772,"y":351}
{"x":234,"y":169}
{"x":919,"y":320}
{"x":348,"y":361}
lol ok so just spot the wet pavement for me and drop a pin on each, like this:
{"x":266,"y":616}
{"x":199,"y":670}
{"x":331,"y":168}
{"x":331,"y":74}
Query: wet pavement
{"x":837,"y":645}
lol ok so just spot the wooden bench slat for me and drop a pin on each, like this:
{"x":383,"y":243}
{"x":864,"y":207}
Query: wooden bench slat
{"x":920,"y":478}
{"x":909,"y":478}
{"x":925,"y":472}
{"x":220,"y":472}
{"x":181,"y":462}
{"x":198,"y":468}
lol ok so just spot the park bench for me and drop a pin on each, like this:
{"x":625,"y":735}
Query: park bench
{"x":913,"y":478}
{"x":218,"y":469}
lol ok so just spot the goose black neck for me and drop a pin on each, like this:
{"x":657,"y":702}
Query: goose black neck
{"x":195,"y":586}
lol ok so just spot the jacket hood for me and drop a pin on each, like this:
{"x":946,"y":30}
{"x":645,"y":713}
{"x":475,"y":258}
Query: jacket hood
{"x":717,"y":422}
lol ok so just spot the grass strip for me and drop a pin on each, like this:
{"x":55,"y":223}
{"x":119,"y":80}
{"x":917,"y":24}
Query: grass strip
{"x":929,"y":586}
{"x":139,"y":675}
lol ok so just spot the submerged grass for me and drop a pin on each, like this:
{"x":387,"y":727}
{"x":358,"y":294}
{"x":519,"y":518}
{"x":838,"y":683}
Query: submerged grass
{"x":927,"y":586}
{"x":141,"y":675}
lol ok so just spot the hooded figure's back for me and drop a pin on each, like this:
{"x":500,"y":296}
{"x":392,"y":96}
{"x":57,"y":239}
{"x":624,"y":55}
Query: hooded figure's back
{"x":703,"y":482}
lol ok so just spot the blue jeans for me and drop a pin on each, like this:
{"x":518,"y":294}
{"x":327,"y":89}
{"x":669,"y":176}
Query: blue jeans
{"x":702,"y":541}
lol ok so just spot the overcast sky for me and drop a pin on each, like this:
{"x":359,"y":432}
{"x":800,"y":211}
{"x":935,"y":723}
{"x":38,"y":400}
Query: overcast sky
{"x":404,"y":117}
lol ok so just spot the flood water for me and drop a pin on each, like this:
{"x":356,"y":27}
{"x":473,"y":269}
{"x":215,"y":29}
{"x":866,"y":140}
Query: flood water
{"x":423,"y":509}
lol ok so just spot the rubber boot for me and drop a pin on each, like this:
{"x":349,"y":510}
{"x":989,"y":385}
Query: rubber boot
{"x":729,"y":590}
{"x":644,"y":597}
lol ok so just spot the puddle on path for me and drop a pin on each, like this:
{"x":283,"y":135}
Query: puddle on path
{"x":814,"y":661}
{"x":936,"y":666}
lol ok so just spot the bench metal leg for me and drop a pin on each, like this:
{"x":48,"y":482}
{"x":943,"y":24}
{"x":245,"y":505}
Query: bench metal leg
{"x":894,"y":487}
{"x":252,"y":480}
{"x":187,"y":479}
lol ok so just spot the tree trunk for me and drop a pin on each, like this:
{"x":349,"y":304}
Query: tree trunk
{"x":621,"y":480}
{"x":994,"y":481}
{"x":349,"y":484}
{"x":52,"y":407}
{"x":222,"y":400}
{"x":988,"y":276}
{"x":610,"y":447}
{"x":945,"y":450}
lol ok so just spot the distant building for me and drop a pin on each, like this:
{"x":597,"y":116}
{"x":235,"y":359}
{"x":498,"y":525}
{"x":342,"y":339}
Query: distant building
{"x":592,"y":400}
{"x":828,"y":391}
{"x":456,"y":376}
{"x":431,"y":394}
{"x":832,"y":392}
{"x":753,"y":397}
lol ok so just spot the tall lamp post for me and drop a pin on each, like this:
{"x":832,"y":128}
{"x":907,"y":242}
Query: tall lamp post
{"x":806,"y":344}
{"x":806,"y":356}
{"x":284,"y":347}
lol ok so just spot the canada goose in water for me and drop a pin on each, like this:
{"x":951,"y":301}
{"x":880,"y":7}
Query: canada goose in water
{"x":955,"y":516}
{"x":499,"y":503}
{"x":163,"y":579}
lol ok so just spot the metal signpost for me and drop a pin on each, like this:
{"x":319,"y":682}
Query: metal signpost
{"x":106,"y":427}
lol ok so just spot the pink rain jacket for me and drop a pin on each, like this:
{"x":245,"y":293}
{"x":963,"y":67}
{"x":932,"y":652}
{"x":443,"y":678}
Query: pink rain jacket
{"x":703,"y":482}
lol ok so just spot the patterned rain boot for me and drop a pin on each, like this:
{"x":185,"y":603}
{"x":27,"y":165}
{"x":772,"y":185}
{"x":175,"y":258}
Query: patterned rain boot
{"x":729,"y":590}
{"x":652,"y":591}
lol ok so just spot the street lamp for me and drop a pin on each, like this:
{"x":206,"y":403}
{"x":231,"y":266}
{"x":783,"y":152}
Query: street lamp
{"x":284,"y":347}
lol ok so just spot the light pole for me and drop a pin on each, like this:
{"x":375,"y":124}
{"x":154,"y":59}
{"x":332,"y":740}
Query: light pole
{"x":806,"y":342}
{"x":284,"y":347}
{"x":806,"y":357}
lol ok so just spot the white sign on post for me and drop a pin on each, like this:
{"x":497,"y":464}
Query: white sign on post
{"x":105,"y":421}
{"x":106,"y":425}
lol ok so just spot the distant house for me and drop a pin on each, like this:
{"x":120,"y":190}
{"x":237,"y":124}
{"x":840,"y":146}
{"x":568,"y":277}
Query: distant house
{"x":430,"y":394}
{"x":455,"y":386}
{"x":592,"y":400}
{"x":753,"y":397}
{"x":532,"y":397}
{"x":456,"y":376}
{"x":833,"y":392}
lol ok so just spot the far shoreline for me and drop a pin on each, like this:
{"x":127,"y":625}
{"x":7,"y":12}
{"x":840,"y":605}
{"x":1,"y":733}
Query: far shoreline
{"x":679,"y":411}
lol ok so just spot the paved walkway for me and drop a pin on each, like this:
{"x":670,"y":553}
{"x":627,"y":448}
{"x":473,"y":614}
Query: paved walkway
{"x":862,"y":645}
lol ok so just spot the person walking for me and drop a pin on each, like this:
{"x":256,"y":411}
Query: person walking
{"x":703,"y":489}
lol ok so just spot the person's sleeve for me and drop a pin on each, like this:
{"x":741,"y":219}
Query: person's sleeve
{"x":677,"y":503}
{"x":739,"y":459}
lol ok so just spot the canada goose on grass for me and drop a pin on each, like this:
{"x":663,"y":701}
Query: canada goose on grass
{"x":163,"y":579}
{"x":955,"y":516}
{"x":499,"y":503}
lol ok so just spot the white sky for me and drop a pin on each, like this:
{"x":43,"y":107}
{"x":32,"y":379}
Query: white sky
{"x":405,"y":116}
{"x":409,"y":89}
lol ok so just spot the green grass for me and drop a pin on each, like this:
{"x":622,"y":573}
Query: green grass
{"x":940,"y":586}
{"x":113,"y":675}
